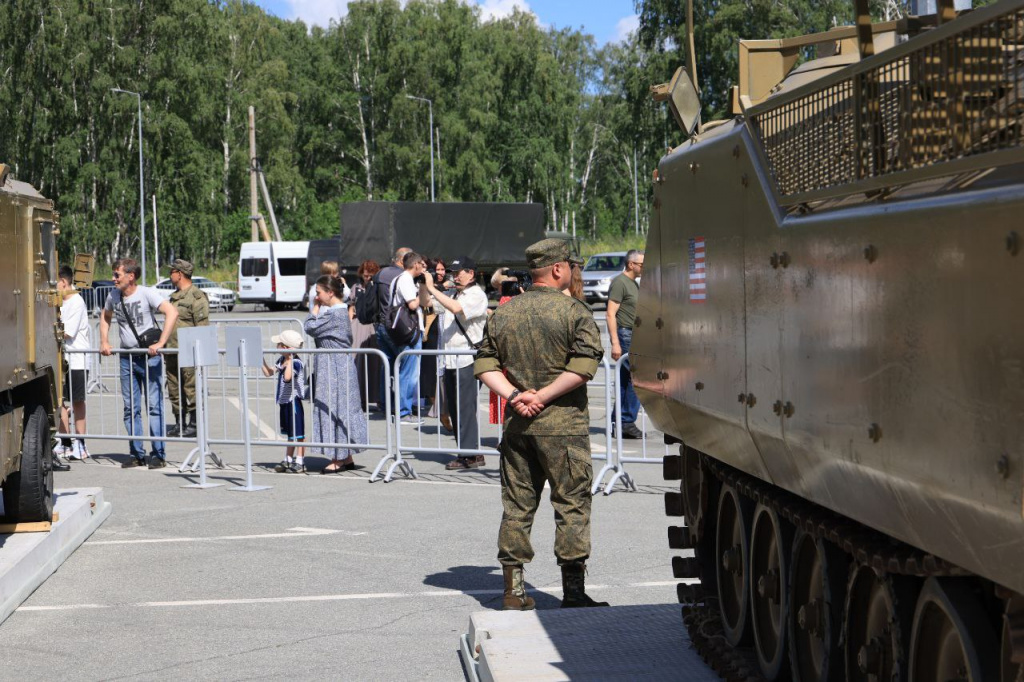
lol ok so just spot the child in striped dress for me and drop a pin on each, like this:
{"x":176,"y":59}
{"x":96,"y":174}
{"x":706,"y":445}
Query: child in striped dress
{"x":291,"y":390}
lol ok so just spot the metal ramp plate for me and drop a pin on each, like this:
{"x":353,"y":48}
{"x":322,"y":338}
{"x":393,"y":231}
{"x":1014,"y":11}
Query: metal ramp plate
{"x":645,"y":642}
{"x":28,"y":559}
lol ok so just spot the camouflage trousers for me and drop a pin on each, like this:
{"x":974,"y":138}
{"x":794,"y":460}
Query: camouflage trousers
{"x":182,"y":393}
{"x":526,"y":463}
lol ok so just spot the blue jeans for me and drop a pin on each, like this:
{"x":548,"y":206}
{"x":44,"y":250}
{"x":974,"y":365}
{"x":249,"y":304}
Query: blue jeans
{"x":409,"y":373}
{"x":627,"y":396}
{"x":136,"y":372}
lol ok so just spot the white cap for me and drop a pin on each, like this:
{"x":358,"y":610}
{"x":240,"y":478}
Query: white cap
{"x":289,"y":337}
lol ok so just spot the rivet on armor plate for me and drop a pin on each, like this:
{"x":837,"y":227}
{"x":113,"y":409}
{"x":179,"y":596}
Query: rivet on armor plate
{"x":699,"y":386}
{"x":773,"y":260}
{"x":1013,"y":243}
{"x":736,"y":152}
{"x":875,"y":432}
{"x":871,"y":253}
{"x":784,"y":259}
{"x":1003,"y":467}
{"x":636,"y":323}
{"x":744,"y":180}
{"x":659,"y":323}
{"x":694,"y":167}
{"x":777,"y":407}
{"x":788,"y":409}
{"x":751,"y":400}
{"x":743,"y":398}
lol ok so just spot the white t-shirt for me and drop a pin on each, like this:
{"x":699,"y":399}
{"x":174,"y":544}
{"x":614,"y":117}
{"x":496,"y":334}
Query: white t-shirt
{"x":405,"y":291}
{"x":77,"y":334}
{"x":473,"y":317}
{"x":142,"y":305}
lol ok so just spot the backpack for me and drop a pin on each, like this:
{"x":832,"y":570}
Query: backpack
{"x":403,"y":324}
{"x":368,"y":303}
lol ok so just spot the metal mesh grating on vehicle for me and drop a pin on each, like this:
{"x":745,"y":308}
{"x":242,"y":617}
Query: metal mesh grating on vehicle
{"x":943,"y":97}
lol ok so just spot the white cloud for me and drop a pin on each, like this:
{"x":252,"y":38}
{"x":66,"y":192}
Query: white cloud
{"x":318,"y":12}
{"x":499,"y":9}
{"x":625,"y":26}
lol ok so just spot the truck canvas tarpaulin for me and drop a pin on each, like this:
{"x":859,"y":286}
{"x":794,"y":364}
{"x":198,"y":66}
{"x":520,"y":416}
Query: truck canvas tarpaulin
{"x":493,"y":235}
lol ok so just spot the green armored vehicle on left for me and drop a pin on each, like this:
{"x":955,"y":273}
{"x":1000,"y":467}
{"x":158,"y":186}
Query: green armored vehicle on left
{"x":30,"y":335}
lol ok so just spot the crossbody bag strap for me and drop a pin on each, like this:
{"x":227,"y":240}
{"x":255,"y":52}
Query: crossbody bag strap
{"x":463,"y":329}
{"x":131,"y":324}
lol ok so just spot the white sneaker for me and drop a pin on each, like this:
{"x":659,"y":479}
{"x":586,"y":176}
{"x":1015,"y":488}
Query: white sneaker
{"x":78,"y":450}
{"x":60,"y":451}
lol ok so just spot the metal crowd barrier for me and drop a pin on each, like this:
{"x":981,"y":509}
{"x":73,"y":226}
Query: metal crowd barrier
{"x":604,"y":380}
{"x":241,"y":399}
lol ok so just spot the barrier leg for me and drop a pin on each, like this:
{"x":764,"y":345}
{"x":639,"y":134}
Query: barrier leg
{"x":392,"y":397}
{"x":243,"y":373}
{"x":202,"y":434}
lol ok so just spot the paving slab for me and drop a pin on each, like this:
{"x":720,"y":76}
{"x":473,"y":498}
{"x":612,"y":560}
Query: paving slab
{"x":639,"y":642}
{"x":28,"y":559}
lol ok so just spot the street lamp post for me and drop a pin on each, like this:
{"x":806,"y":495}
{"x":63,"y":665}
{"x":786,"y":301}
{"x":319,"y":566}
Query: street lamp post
{"x":142,"y":191}
{"x":430,"y":108}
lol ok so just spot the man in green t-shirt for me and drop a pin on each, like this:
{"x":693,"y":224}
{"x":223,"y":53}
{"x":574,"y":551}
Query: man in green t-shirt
{"x":622,"y":296}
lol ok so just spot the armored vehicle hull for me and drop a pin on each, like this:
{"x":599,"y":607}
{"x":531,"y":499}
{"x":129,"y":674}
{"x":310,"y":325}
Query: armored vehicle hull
{"x":29,"y":359}
{"x":829,"y":321}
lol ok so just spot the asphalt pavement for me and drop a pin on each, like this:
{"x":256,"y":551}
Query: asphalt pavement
{"x":320,"y":577}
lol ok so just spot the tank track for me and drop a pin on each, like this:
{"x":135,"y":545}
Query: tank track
{"x":863,"y":545}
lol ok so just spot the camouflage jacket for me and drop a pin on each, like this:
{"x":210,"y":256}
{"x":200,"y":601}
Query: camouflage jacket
{"x":535,"y":337}
{"x":193,"y":311}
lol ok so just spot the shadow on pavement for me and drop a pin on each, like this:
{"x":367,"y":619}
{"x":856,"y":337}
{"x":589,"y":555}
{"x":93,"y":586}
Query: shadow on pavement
{"x":474,"y":579}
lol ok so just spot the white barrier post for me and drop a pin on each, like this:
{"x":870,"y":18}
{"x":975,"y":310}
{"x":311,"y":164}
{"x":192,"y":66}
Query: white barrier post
{"x":195,"y":358}
{"x":615,"y":456}
{"x":249,"y":353}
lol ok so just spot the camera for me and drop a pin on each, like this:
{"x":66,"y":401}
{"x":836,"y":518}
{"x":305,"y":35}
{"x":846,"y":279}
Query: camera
{"x":523,"y":282}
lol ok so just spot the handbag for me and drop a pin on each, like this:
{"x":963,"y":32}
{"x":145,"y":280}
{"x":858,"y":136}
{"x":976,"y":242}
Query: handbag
{"x":403,"y":327}
{"x":148,"y":337}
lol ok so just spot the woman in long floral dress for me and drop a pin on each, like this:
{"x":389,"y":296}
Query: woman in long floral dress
{"x":337,"y":411}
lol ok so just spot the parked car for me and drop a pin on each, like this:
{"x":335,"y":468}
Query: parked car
{"x":220,"y":298}
{"x":96,"y":297}
{"x":598,"y":273}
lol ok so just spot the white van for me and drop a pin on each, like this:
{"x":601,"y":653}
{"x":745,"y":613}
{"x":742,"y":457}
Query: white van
{"x":273,"y":273}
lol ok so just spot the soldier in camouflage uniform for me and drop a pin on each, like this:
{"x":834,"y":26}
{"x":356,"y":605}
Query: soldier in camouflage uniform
{"x":193,"y":311}
{"x":549,"y":346}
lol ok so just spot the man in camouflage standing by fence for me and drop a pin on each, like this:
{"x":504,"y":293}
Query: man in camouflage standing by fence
{"x":549,"y":346}
{"x":193,"y":311}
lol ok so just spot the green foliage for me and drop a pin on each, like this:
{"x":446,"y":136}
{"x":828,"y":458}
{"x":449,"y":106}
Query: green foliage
{"x":521,"y":112}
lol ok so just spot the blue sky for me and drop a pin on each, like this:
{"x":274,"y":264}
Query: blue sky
{"x":606,"y":20}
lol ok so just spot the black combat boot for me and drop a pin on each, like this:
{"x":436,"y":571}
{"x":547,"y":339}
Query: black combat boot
{"x":573,"y":594}
{"x":516,"y":598}
{"x":59,"y":465}
{"x":173,"y":431}
{"x":190,"y":428}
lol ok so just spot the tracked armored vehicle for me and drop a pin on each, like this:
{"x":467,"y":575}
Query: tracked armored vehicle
{"x":830,"y":323}
{"x":30,"y":336}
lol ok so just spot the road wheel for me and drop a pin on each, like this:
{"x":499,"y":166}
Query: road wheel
{"x":953,"y":638}
{"x":879,"y":612}
{"x":28,"y":493}
{"x":732,"y":551}
{"x":770,"y":544}
{"x":817,"y":584}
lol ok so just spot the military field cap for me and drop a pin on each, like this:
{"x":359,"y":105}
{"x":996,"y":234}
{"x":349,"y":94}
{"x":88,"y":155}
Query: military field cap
{"x":289,"y":337}
{"x":550,"y":251}
{"x":182,"y":266}
{"x":463,"y":263}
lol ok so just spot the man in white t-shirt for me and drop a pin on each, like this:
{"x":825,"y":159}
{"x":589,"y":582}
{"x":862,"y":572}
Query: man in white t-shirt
{"x":403,"y":290}
{"x":141,"y":373}
{"x":77,"y":337}
{"x":462,"y":318}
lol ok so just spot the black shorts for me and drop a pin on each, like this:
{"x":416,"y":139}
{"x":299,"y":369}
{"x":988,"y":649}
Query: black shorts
{"x":74,"y":385}
{"x":293,"y":420}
